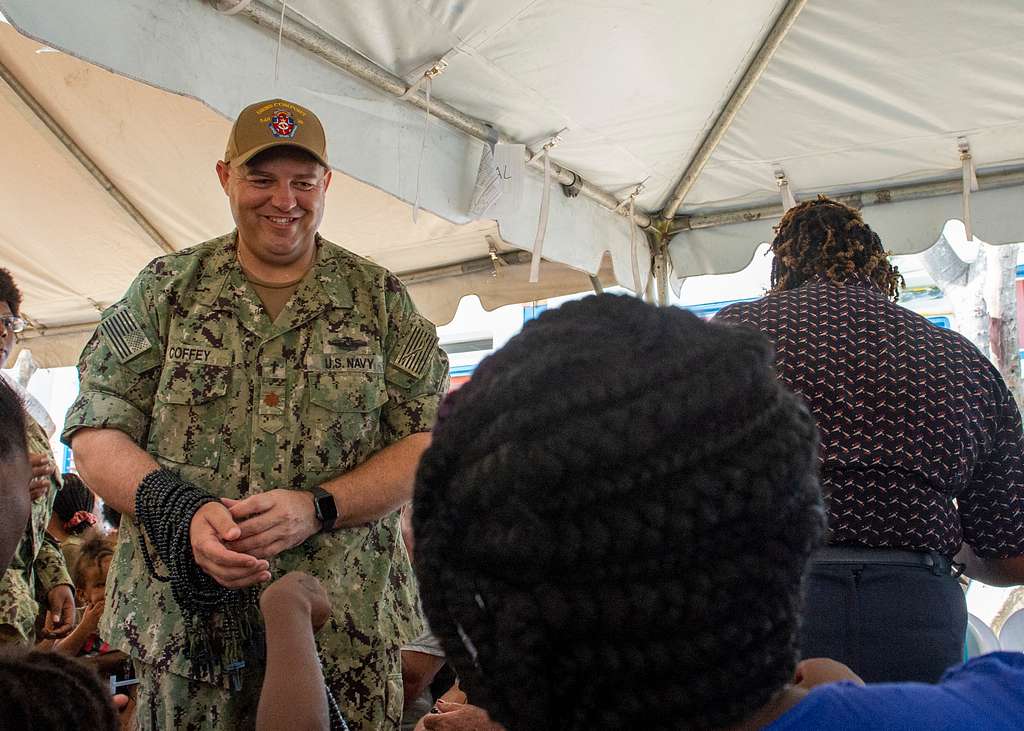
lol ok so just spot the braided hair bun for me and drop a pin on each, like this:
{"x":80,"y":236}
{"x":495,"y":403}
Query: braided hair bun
{"x":613,"y":520}
{"x":74,"y":499}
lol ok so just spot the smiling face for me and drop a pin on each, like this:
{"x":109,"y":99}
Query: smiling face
{"x":277,"y":201}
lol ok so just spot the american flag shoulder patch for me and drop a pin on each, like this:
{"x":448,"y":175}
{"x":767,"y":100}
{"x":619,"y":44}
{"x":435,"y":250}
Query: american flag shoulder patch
{"x":123,"y":335}
{"x":417,"y":348}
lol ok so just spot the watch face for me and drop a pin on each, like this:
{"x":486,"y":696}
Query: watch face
{"x":326,"y":508}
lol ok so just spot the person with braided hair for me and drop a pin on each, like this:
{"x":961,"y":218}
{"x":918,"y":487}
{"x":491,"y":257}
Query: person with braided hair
{"x":922,"y":456}
{"x":256,"y":405}
{"x":635,"y":500}
{"x":73,"y":522}
{"x":75,"y":698}
{"x":613,"y":525}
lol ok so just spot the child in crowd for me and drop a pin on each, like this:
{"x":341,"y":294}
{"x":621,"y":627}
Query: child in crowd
{"x":90,"y":576}
{"x":73,"y":521}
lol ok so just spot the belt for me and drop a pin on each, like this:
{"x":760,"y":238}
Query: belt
{"x":850,"y":555}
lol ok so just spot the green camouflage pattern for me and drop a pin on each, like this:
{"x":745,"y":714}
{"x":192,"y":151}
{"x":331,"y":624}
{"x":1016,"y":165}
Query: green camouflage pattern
{"x":240,"y":405}
{"x":168,"y":701}
{"x":38,"y":564}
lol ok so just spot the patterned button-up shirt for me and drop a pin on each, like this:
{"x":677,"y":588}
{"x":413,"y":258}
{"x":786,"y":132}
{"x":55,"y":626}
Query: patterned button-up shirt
{"x":922,"y":445}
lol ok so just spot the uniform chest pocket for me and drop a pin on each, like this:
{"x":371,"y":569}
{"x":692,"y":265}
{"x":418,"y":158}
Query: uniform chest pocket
{"x":343,"y":418}
{"x":190,"y":412}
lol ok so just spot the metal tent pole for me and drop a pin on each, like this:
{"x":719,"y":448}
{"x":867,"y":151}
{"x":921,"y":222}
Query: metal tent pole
{"x":739,"y":95}
{"x":1006,"y":178}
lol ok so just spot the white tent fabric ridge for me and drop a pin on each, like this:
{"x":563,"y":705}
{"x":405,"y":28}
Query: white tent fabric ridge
{"x":709,"y":99}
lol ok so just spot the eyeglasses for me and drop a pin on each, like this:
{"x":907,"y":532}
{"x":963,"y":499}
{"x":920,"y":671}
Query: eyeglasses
{"x":12,"y":323}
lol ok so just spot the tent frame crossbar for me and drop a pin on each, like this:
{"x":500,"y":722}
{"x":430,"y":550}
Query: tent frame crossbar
{"x":1005,"y":178}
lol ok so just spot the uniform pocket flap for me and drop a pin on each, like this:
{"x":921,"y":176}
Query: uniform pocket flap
{"x":192,"y":384}
{"x":347,"y":391}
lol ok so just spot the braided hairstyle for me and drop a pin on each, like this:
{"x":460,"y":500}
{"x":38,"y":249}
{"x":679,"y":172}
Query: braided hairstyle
{"x":824,"y":236}
{"x":613,"y":520}
{"x":48,"y":691}
{"x":71,"y":499}
{"x":9,"y":292}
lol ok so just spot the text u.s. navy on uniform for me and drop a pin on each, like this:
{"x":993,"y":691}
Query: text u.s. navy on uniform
{"x":295,"y":381}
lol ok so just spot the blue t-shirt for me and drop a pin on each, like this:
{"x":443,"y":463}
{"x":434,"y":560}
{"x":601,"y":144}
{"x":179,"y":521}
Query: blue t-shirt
{"x":985,"y":693}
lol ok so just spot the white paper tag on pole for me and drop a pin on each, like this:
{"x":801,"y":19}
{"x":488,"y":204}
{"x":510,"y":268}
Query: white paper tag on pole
{"x":510,"y":166}
{"x":488,"y":186}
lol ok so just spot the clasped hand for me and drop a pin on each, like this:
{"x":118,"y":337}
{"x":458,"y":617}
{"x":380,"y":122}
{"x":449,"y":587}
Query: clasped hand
{"x":232,"y":539}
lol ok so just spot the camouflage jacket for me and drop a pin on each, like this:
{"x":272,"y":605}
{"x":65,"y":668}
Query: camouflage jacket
{"x":38,"y":564}
{"x":190,"y":366}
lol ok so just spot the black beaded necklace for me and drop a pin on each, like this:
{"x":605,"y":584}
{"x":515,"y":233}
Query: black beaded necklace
{"x":164,"y":506}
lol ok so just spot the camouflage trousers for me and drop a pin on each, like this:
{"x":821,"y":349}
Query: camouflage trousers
{"x":167,"y":701}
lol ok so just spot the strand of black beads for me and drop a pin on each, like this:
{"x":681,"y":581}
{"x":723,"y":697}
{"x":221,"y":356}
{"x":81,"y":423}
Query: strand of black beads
{"x":165,"y":505}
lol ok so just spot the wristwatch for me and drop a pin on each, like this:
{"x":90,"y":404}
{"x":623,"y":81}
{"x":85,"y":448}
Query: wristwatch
{"x":326,"y":508}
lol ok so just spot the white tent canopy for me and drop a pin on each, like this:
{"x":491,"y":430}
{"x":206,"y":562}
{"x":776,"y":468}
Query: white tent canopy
{"x":73,"y":250}
{"x":706,"y":103}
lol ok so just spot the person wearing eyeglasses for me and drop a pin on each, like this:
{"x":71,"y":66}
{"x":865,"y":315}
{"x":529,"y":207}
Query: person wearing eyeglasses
{"x":38,"y":565}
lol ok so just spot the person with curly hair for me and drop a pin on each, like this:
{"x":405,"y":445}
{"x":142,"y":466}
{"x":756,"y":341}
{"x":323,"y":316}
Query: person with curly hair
{"x":89,"y":572}
{"x":922,"y":452}
{"x":613,"y":524}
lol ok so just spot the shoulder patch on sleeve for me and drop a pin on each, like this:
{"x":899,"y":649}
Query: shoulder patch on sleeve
{"x":123,"y":335}
{"x":416,"y":348}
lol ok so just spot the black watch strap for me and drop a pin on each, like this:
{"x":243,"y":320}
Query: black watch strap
{"x":326,"y":508}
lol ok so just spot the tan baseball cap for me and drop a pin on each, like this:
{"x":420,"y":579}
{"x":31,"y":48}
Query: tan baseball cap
{"x":274,"y":123}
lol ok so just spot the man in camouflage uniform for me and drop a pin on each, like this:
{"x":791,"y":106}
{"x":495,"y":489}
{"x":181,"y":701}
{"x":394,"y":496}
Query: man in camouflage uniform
{"x":37,"y":568}
{"x":260,"y":366}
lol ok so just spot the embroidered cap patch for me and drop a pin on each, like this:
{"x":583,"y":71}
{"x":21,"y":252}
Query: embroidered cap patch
{"x":123,"y":336}
{"x":282,"y":124}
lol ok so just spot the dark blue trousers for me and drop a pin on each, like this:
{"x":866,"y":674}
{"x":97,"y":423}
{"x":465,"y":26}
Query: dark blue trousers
{"x":888,"y":623}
